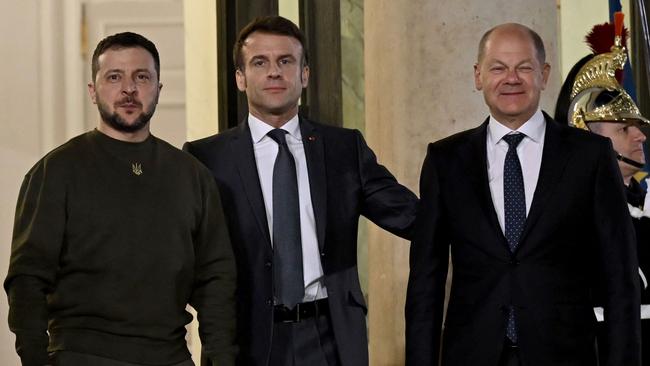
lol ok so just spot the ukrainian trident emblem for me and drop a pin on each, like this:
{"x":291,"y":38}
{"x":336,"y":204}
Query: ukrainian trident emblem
{"x":137,"y":168}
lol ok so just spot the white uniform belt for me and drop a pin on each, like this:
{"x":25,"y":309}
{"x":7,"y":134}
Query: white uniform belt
{"x":645,"y":313}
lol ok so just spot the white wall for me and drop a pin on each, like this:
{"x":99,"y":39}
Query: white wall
{"x":20,"y":137}
{"x":577,"y":17}
{"x":201,"y":84}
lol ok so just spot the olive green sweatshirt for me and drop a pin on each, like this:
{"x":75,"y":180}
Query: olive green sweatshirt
{"x":111,"y":241}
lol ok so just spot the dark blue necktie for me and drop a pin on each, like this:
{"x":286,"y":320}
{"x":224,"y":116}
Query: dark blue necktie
{"x":514,"y":198}
{"x":289,"y":288}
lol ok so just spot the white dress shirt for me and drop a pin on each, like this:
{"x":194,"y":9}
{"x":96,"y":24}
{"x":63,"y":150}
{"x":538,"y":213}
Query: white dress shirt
{"x":529,"y":152}
{"x":266,"y":149}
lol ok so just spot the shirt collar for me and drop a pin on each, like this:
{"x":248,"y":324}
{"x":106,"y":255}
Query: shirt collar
{"x":534,"y":128}
{"x":259,"y":129}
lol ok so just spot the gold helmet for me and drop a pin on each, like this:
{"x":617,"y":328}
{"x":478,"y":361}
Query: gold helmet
{"x":597,"y":96}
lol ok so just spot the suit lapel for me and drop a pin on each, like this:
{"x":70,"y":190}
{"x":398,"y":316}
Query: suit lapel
{"x":554,"y":158}
{"x":315,"y":155}
{"x":477,"y":164}
{"x":242,"y":146}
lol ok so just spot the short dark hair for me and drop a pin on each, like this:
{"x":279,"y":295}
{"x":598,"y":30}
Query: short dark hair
{"x":124,"y":40}
{"x":271,"y":24}
{"x":537,"y":42}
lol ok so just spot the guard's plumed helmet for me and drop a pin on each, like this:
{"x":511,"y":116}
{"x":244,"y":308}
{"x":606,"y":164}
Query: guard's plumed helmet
{"x":596,"y":95}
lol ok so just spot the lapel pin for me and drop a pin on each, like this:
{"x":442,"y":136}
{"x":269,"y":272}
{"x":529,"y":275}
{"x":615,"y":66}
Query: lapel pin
{"x":311,"y":138}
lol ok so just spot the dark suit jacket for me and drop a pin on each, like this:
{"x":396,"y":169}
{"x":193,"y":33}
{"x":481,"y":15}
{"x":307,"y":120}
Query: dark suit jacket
{"x":577,"y":233}
{"x":346,"y":181}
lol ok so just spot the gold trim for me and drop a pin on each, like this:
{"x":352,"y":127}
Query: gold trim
{"x":597,"y":76}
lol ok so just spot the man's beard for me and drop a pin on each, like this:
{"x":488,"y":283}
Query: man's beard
{"x":118,"y":123}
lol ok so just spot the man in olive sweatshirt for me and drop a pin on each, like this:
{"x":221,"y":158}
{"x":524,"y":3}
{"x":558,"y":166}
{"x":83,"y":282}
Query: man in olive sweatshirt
{"x":116,"y":231}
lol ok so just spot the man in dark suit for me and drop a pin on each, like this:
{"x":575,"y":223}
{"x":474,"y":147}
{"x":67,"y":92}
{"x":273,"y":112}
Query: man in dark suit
{"x":534,"y":214}
{"x":293,"y":191}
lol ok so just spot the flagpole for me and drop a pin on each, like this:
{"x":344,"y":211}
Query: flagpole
{"x":646,"y":36}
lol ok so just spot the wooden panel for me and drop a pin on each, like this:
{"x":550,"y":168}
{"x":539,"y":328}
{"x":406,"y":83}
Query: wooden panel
{"x":320,"y":21}
{"x":232,"y":16}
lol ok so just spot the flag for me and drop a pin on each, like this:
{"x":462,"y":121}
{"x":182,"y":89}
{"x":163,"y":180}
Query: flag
{"x":630,"y":88}
{"x":628,"y":80}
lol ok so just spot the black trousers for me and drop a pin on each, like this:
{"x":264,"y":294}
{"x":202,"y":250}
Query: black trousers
{"x":309,"y":342}
{"x":67,"y":358}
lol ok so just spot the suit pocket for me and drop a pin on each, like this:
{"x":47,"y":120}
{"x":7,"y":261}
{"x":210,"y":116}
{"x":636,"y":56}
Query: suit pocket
{"x":355,"y":298}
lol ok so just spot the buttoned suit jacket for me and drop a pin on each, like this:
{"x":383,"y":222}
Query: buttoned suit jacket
{"x":345,"y":182}
{"x":577,"y":232}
